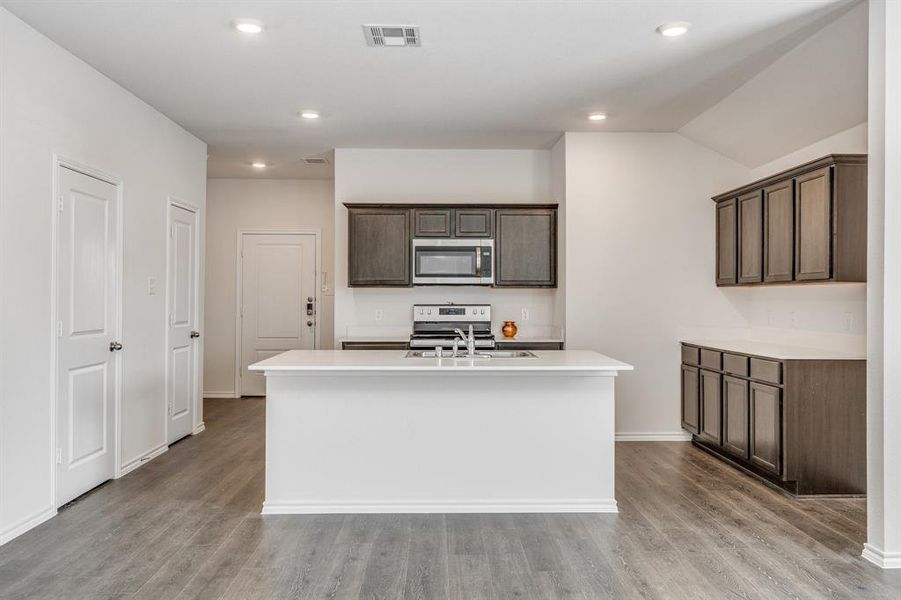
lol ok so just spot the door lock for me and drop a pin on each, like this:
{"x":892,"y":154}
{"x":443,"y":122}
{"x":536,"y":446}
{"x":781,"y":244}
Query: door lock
{"x":309,"y":323}
{"x":113,"y":346}
{"x":195,"y":334}
{"x":310,"y":310}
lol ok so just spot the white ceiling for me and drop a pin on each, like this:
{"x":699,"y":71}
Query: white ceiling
{"x":489,"y":74}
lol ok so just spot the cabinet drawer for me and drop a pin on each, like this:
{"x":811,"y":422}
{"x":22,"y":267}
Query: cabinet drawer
{"x":690,"y":355}
{"x":711,"y":359}
{"x":735,"y":364}
{"x":766,"y":370}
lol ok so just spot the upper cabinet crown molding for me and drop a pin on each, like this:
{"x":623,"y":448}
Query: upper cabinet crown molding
{"x":805,"y":224}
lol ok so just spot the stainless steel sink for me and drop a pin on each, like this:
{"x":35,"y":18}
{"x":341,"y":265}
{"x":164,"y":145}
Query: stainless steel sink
{"x":480,"y":354}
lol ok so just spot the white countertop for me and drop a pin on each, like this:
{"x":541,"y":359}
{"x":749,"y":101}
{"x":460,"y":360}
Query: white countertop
{"x":779,"y":351}
{"x":395,"y":360}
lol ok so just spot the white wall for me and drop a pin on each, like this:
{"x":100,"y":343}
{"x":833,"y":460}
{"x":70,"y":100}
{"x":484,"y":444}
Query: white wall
{"x":435,"y":176}
{"x":257,"y":203}
{"x":640,"y":263}
{"x":51,"y":102}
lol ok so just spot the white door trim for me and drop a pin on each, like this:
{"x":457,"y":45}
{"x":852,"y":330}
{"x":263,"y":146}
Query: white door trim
{"x":239,"y":282}
{"x":171,"y":201}
{"x":60,"y":162}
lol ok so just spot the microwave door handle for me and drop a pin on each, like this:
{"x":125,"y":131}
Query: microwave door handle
{"x":478,"y":261}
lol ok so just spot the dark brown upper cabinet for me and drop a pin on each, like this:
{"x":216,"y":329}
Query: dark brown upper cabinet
{"x":380,"y":240}
{"x":526,"y":247}
{"x":778,"y":231}
{"x":432,"y":222}
{"x":378,"y":250}
{"x":726,"y":243}
{"x":812,"y":225}
{"x":750,"y":238}
{"x":474,"y":222}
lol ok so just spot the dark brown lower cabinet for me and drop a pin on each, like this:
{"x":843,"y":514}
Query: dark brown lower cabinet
{"x":711,"y":407}
{"x":799,"y":424}
{"x":766,"y":427}
{"x":735,"y":416}
{"x":691,"y":415}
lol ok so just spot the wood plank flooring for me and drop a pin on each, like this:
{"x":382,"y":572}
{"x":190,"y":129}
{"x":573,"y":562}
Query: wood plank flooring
{"x":187,"y":525}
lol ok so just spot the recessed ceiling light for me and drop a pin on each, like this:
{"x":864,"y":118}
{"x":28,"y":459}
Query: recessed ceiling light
{"x":248,"y":25}
{"x":597,"y":117}
{"x":309,"y":114}
{"x":674,"y":29}
{"x":258,"y":165}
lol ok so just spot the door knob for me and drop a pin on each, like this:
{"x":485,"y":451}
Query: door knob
{"x":195,"y":334}
{"x":309,"y":323}
{"x":113,"y":346}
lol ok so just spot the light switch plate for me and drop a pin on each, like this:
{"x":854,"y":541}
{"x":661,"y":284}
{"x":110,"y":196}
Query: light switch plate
{"x":151,"y":286}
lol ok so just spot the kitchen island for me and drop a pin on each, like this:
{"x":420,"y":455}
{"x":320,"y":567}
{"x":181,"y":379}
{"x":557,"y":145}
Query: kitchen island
{"x":377,"y":432}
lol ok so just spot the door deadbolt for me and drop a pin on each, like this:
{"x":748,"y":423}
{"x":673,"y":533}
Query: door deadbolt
{"x":113,"y":346}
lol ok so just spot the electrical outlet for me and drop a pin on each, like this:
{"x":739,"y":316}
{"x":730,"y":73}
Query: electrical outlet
{"x":793,"y":318}
{"x":525,"y":314}
{"x":151,"y":286}
{"x":849,"y":321}
{"x":379,"y":314}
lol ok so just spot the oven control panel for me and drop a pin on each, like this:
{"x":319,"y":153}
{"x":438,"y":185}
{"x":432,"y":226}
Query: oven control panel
{"x":451,"y":312}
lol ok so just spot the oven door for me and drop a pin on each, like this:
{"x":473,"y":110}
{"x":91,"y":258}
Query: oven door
{"x":453,"y":262}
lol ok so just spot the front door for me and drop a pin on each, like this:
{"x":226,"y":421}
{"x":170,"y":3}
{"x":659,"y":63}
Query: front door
{"x":278,"y":291}
{"x":183,"y":330}
{"x":87,"y":333}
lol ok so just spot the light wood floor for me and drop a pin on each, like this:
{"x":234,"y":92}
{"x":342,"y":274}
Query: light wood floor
{"x":186,"y":525}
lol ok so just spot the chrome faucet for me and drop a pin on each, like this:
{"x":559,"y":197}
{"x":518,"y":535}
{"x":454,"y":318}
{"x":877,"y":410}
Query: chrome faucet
{"x":470,"y":340}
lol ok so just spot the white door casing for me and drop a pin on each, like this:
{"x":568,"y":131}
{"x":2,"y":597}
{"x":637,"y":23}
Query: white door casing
{"x":183,"y":332}
{"x":87,"y":333}
{"x":277,"y":272}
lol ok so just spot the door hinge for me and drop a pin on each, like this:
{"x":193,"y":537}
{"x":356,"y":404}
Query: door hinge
{"x":59,"y":329}
{"x":60,"y":203}
{"x":59,"y":456}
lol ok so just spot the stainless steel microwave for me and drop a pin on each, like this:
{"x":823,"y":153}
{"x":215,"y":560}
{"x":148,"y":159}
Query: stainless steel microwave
{"x":453,"y":261}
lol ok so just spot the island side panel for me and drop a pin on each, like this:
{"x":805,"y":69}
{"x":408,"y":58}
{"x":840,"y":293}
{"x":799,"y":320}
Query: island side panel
{"x":363,"y":442}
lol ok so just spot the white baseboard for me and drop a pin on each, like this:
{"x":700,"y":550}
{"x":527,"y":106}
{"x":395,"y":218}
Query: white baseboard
{"x":199,"y":428}
{"x":30,"y":522}
{"x":551,"y":506}
{"x":214,"y":395}
{"x":653,"y":436}
{"x":137,"y":462}
{"x":883,"y":560}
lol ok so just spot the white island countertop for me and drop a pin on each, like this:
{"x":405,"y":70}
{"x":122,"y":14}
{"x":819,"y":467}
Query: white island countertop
{"x":396,"y":360}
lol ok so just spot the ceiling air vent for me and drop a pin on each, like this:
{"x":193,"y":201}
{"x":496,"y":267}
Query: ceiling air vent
{"x":391,"y":35}
{"x":315,"y":160}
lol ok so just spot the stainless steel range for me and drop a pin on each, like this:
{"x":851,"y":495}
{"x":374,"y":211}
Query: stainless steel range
{"x":435,"y":324}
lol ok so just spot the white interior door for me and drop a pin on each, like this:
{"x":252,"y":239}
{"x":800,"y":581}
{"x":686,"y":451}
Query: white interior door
{"x":278,"y":280}
{"x":183,"y":336}
{"x":87,"y":333}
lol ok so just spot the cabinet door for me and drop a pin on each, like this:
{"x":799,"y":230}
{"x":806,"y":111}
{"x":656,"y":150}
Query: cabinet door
{"x":735,"y":416}
{"x":750,"y":238}
{"x":766,"y":427}
{"x":779,"y":231}
{"x":711,"y":407}
{"x":526,"y":247}
{"x":690,"y":399}
{"x":378,"y":247}
{"x":813,"y":225}
{"x":432,"y":222}
{"x":726,"y":243}
{"x":474,"y":222}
